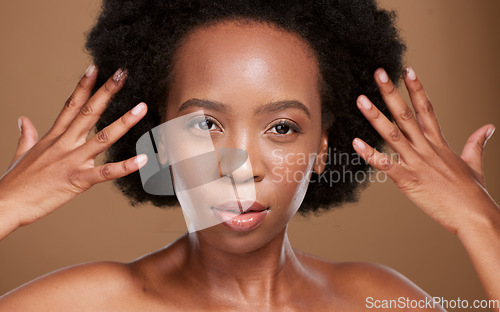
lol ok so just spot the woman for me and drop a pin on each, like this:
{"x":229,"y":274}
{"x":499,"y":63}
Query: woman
{"x":244,"y":65}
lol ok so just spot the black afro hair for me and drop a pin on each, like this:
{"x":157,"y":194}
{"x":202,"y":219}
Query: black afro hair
{"x":351,"y":39}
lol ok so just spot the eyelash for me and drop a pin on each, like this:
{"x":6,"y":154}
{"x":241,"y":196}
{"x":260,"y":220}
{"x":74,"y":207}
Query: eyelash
{"x":292,"y":126}
{"x":195,"y":122}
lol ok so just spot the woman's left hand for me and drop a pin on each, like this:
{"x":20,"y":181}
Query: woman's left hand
{"x":448,"y":187}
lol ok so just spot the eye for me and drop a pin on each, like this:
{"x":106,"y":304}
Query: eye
{"x":203,"y":123}
{"x":284,"y":127}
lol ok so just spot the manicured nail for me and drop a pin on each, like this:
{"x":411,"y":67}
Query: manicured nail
{"x":141,"y":160}
{"x":118,"y":76}
{"x":90,"y":70}
{"x":490,"y":133}
{"x":365,"y":102}
{"x":359,"y":144}
{"x":410,"y":73}
{"x":139,"y":108}
{"x":20,"y":124}
{"x":382,"y":75}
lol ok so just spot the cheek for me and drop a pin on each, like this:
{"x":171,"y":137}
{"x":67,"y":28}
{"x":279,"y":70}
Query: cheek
{"x":290,"y":174}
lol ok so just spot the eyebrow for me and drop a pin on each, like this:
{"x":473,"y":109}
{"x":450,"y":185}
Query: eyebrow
{"x":268,"y":107}
{"x":194,"y":102}
{"x":281,"y":105}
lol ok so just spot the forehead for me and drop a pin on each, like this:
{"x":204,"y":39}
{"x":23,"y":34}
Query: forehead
{"x":222,"y":60}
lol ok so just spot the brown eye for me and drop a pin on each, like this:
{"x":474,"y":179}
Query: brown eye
{"x":284,"y":127}
{"x":205,"y":124}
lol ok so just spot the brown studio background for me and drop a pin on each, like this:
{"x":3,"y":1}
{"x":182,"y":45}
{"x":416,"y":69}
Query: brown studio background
{"x":453,"y":47}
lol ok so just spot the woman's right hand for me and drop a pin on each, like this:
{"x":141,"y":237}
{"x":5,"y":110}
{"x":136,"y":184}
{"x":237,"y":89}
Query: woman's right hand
{"x":46,"y":174}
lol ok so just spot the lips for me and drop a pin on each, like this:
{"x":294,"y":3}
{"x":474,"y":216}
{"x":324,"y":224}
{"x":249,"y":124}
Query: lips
{"x":241,"y":206}
{"x":242,"y":215}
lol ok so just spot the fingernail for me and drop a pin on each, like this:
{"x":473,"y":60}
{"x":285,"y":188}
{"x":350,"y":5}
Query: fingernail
{"x":490,"y":133}
{"x":359,"y":144}
{"x":139,"y":108}
{"x":410,"y":73}
{"x":90,"y":70}
{"x":140,"y":160}
{"x":365,"y":102}
{"x":382,"y":75}
{"x":20,"y":124}
{"x":118,"y":76}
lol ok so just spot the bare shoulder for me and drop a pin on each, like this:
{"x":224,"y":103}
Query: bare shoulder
{"x":76,"y":288}
{"x":372,"y":285}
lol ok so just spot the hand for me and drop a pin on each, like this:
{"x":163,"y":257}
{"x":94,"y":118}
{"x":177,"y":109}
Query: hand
{"x":448,"y":187}
{"x":46,"y":174}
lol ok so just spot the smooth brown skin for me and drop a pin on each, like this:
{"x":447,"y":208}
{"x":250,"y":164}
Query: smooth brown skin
{"x":216,"y":269}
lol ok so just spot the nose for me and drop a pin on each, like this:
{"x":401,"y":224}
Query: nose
{"x":242,"y":165}
{"x":235,"y":163}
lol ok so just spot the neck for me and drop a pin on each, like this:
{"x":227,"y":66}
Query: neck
{"x":255,"y":276}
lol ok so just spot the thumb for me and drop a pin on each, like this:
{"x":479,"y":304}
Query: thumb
{"x":28,"y":138}
{"x":473,"y":150}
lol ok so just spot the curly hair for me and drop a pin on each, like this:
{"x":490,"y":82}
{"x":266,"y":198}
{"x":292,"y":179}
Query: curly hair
{"x":351,"y":39}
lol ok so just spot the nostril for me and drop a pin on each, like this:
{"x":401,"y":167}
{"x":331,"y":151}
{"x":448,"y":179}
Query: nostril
{"x":235,"y":163}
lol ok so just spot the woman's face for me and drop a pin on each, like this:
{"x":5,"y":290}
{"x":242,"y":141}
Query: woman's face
{"x":260,"y":94}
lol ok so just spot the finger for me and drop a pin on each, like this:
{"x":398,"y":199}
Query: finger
{"x":111,"y":171}
{"x":389,"y":131}
{"x":402,"y":114}
{"x":90,"y":112}
{"x":377,"y":159}
{"x":425,"y":115}
{"x":473,"y":150}
{"x":109,"y":135}
{"x":28,"y":138}
{"x":75,"y":101}
{"x":395,"y":169}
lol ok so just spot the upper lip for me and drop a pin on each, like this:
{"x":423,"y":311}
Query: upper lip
{"x":241,"y":205}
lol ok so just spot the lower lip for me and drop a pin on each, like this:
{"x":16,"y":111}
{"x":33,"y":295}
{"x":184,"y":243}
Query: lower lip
{"x":241,"y":222}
